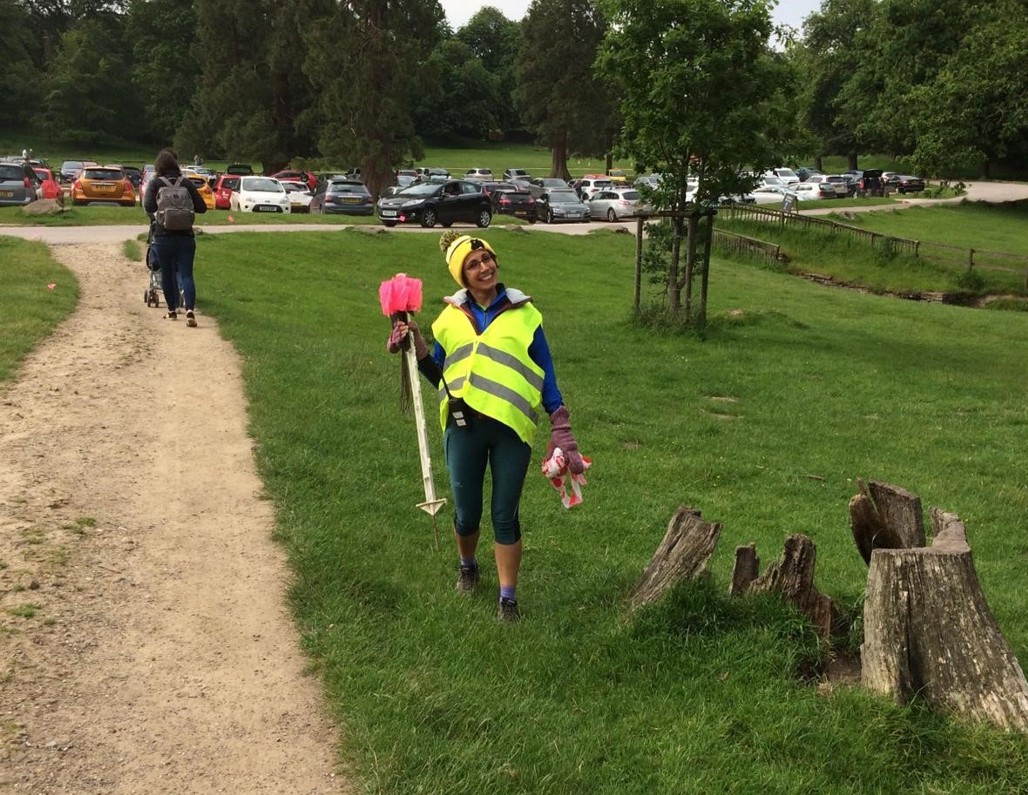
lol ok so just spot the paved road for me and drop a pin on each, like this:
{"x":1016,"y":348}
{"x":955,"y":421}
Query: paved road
{"x":69,"y":235}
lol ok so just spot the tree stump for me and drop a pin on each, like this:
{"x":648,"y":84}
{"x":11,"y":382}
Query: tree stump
{"x":683,"y":555}
{"x":793,"y":578}
{"x":885,"y":517}
{"x":928,"y":632}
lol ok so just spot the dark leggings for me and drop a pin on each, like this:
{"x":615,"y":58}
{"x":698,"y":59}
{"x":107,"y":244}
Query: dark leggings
{"x":468,"y":451}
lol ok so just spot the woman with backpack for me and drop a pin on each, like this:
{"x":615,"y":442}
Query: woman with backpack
{"x":171,"y":202}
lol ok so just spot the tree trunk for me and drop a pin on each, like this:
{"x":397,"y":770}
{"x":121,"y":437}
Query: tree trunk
{"x":559,"y":155}
{"x":928,"y":632}
{"x":793,"y":578}
{"x":690,"y":265}
{"x":883,"y":516}
{"x":683,"y":555}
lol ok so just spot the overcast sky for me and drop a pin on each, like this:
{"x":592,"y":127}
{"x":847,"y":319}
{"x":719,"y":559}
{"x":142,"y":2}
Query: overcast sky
{"x":458,"y":12}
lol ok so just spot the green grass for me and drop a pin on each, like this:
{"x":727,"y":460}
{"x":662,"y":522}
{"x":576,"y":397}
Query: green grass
{"x":31,"y":308}
{"x":764,"y":424}
{"x":699,"y":693}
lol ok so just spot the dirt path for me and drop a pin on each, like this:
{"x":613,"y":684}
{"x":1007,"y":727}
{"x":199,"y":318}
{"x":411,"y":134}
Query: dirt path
{"x":145,"y":645}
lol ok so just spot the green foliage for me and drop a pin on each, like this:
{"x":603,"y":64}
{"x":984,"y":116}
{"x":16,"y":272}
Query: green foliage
{"x":561,"y":99}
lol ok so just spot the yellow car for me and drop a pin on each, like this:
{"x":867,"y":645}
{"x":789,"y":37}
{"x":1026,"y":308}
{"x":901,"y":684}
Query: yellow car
{"x":103,"y":184}
{"x":202,"y":187}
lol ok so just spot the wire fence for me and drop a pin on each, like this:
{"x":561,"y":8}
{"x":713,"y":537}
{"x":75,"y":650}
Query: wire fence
{"x":969,"y":258}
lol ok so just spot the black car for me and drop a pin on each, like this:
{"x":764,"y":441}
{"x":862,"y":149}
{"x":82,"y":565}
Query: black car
{"x":906,"y":183}
{"x":431,"y":203}
{"x":135,"y":176}
{"x":561,"y":204}
{"x":342,"y":197}
{"x":514,"y":199}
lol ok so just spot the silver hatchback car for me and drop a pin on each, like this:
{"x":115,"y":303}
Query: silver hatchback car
{"x":19,"y":183}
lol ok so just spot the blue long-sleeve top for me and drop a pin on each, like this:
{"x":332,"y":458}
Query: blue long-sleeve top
{"x":432,"y":366}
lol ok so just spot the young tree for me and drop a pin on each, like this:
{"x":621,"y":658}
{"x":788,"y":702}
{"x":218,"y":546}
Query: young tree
{"x":560,"y":97}
{"x":703,"y":96}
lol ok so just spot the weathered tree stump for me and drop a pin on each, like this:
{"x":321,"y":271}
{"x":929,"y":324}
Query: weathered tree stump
{"x":683,"y":555}
{"x":792,"y":577}
{"x":885,"y":517}
{"x":745,"y":570}
{"x":928,"y":632}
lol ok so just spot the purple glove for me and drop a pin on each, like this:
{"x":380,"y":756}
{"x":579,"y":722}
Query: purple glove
{"x":398,"y":338}
{"x":560,"y":436}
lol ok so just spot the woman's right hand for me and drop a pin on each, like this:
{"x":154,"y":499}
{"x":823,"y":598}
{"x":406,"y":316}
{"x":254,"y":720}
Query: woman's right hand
{"x":398,"y":338}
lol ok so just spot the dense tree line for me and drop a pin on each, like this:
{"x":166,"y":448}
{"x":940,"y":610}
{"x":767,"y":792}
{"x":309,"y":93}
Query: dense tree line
{"x":365,"y":83}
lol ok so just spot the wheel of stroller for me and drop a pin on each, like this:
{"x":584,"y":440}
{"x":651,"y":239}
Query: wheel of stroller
{"x":146,"y":297}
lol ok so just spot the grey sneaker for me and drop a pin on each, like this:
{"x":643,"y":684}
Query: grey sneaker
{"x":508,"y":610}
{"x":467,"y":579}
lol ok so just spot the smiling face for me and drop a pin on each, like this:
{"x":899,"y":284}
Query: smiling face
{"x":479,"y":273}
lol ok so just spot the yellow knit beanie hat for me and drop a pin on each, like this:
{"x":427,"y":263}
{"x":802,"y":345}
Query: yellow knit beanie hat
{"x":456,"y":247}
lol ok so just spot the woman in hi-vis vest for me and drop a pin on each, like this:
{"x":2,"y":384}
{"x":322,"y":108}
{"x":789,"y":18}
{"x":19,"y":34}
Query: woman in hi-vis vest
{"x":493,"y":369}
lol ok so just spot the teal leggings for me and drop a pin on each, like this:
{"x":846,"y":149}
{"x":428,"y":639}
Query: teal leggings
{"x":468,"y":451}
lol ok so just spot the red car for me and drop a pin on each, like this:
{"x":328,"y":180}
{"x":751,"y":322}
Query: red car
{"x":223,"y":188}
{"x":49,"y":186}
{"x":306,"y":177}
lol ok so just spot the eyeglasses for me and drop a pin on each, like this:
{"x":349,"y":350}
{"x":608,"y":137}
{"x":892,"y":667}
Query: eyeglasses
{"x":475,"y":264}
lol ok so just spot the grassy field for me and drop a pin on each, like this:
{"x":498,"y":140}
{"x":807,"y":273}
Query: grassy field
{"x":764,"y":424}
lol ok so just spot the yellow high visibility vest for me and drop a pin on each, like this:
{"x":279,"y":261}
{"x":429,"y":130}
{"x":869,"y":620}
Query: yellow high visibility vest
{"x":492,"y":371}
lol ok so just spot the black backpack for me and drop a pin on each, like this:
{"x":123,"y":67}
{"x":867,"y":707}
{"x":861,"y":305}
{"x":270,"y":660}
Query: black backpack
{"x":175,"y":206}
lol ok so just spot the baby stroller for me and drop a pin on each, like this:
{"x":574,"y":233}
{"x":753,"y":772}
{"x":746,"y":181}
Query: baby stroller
{"x":152,"y":294}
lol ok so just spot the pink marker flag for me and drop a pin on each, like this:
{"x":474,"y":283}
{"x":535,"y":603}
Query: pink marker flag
{"x":401,"y":293}
{"x":52,"y":286}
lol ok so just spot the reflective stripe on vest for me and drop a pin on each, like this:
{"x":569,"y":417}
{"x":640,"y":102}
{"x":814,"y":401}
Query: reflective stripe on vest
{"x":493,"y":371}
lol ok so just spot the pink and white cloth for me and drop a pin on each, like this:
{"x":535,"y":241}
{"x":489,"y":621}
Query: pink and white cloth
{"x":567,"y":483}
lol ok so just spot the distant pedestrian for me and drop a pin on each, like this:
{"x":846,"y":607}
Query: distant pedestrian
{"x":175,"y":249}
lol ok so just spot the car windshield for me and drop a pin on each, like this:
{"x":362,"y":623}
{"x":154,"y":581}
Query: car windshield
{"x":262,"y":184}
{"x":11,"y":172}
{"x":231,"y":183}
{"x":563,"y":196}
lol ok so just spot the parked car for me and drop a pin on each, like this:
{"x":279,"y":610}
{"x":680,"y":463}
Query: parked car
{"x":48,"y":187}
{"x":19,"y":183}
{"x":614,"y":203}
{"x":807,"y":191}
{"x":259,"y":195}
{"x":71,"y":168}
{"x":870,"y":183}
{"x":300,"y":196}
{"x":590,"y":183}
{"x":135,"y":176}
{"x":806,"y":172}
{"x":103,"y":184}
{"x":341,"y":196}
{"x":223,"y":188}
{"x":425,"y":173}
{"x":511,"y":198}
{"x":844,"y":188}
{"x":906,"y":183}
{"x":618,"y":177}
{"x":482,"y":174}
{"x":203,"y":187}
{"x":537,"y":186}
{"x":144,"y":180}
{"x":771,"y":194}
{"x":431,"y":203}
{"x":308,"y":178}
{"x":516,"y":174}
{"x":239,"y":169}
{"x":561,"y":204}
{"x":786,"y":175}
